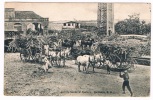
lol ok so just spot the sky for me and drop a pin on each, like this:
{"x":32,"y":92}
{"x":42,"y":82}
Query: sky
{"x":81,"y":11}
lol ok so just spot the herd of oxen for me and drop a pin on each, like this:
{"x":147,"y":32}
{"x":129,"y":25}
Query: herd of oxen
{"x":84,"y":52}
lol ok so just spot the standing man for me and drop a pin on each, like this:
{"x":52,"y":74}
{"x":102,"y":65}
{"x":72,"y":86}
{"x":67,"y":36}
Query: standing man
{"x":125,"y":76}
{"x":109,"y":31}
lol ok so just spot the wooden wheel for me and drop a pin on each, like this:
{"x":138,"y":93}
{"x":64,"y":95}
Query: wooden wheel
{"x":115,"y":60}
{"x":37,"y":57}
{"x":11,"y":49}
{"x":24,"y":55}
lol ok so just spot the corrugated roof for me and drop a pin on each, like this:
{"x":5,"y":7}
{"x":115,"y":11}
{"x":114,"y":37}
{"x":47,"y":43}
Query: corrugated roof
{"x":26,"y":15}
{"x":71,"y":22}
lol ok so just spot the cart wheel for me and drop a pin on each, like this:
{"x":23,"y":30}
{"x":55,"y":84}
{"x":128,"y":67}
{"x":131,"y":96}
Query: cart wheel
{"x":37,"y":57}
{"x":14,"y":49}
{"x":54,"y":61}
{"x":11,"y":49}
{"x":115,"y":60}
{"x":59,"y":62}
{"x":32,"y":57}
{"x":23,"y":57}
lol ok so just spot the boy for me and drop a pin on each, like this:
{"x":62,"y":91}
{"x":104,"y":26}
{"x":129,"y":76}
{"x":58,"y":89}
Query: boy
{"x":125,"y":76}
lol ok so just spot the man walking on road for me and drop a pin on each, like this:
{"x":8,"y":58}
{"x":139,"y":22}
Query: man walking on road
{"x":125,"y":76}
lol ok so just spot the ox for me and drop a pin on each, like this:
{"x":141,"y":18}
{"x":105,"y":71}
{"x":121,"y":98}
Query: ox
{"x":68,"y":43}
{"x":85,"y":43}
{"x":87,"y":60}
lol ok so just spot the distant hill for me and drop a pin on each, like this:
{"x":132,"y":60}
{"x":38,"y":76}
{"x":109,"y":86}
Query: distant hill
{"x":88,"y":23}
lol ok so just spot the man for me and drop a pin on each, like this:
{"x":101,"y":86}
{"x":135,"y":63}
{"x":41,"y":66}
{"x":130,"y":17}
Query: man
{"x":109,"y":31}
{"x":125,"y":76}
{"x":108,"y":69}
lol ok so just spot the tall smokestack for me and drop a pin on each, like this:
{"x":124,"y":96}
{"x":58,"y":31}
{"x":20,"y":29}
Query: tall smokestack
{"x":105,"y":18}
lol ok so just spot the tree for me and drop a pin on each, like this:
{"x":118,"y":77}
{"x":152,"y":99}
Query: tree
{"x":120,"y":27}
{"x":132,"y":25}
{"x":148,"y":28}
{"x":29,"y":31}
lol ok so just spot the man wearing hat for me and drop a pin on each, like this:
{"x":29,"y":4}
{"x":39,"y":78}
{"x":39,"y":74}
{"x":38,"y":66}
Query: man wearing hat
{"x":125,"y":76}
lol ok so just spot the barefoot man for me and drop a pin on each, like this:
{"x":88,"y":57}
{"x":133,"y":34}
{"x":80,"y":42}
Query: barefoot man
{"x":125,"y":76}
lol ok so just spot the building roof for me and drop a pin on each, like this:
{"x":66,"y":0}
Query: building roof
{"x":71,"y":22}
{"x":63,"y":21}
{"x":9,"y":9}
{"x":26,"y":15}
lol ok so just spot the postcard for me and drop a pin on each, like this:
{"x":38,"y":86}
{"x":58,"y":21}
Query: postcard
{"x":77,"y":49}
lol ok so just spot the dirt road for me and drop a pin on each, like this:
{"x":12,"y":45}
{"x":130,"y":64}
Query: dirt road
{"x":28,"y":79}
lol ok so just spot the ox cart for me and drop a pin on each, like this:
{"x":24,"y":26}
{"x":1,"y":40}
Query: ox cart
{"x":120,"y":57}
{"x":31,"y":49}
{"x":30,"y":53}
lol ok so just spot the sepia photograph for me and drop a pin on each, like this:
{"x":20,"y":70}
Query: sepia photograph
{"x":100,"y":49}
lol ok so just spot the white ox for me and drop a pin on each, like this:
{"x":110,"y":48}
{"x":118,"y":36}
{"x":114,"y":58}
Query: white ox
{"x":65,"y":52}
{"x":87,"y":60}
{"x":56,"y":57}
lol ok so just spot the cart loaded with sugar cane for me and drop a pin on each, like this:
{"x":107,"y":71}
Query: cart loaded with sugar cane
{"x":31,"y":48}
{"x":121,"y":57}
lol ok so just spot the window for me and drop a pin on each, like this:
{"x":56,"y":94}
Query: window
{"x":64,"y":24}
{"x":68,"y":24}
{"x":18,"y":26}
